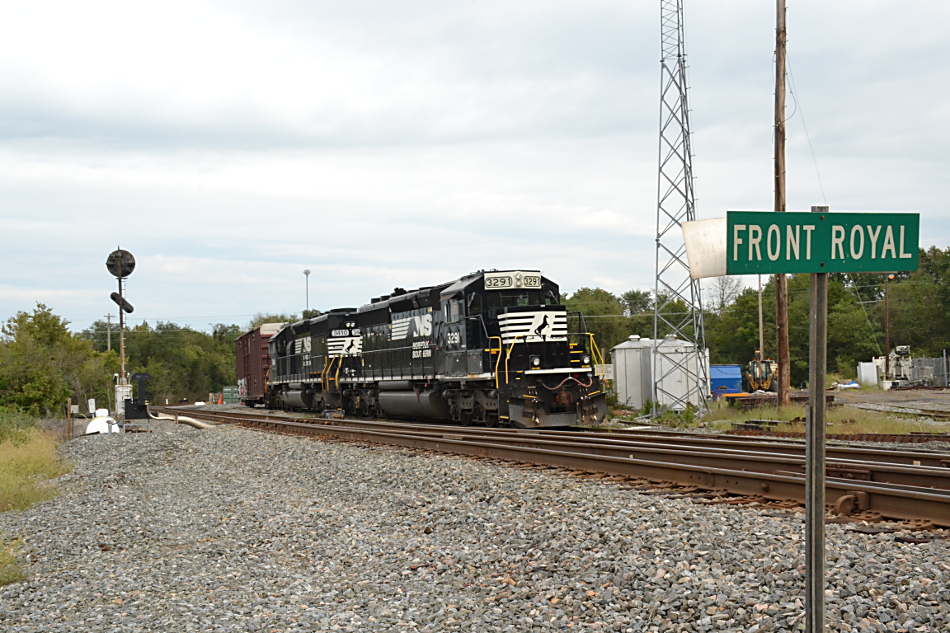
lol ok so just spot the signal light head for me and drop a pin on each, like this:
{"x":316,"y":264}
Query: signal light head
{"x":121,"y":302}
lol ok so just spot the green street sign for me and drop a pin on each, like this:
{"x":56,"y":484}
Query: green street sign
{"x":769,"y":243}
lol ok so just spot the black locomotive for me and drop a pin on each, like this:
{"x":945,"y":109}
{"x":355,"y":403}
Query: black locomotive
{"x":490,"y":348}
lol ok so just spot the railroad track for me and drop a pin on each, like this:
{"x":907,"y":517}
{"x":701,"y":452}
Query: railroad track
{"x":892,"y":438}
{"x":862,"y":484}
{"x":905,"y":409}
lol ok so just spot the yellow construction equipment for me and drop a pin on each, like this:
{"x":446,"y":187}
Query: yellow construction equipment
{"x":759,"y":374}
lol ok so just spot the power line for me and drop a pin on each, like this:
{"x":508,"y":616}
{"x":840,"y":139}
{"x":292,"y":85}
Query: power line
{"x":799,"y":109}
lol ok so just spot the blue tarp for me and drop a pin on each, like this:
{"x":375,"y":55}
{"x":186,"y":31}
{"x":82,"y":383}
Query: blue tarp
{"x":723,"y":377}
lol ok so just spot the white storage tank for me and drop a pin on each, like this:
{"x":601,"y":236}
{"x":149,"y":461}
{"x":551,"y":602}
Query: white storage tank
{"x":634,"y":371}
{"x":631,"y":371}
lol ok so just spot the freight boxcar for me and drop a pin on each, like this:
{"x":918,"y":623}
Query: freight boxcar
{"x":253,"y":363}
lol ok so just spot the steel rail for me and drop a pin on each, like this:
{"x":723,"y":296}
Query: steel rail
{"x":754,"y":461}
{"x":889,"y":500}
{"x":758,"y":460}
{"x":840,"y":454}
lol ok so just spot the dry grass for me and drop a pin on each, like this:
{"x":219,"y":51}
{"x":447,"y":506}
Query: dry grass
{"x":10,"y":570}
{"x":842,"y":419}
{"x":28,"y":460}
{"x":25,"y":463}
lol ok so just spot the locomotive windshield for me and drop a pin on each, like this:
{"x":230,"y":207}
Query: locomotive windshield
{"x":515,"y":298}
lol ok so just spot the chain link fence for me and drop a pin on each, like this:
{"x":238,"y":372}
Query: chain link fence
{"x":931,"y":371}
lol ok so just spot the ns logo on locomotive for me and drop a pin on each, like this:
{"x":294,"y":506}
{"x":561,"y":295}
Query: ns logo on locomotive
{"x":490,"y":348}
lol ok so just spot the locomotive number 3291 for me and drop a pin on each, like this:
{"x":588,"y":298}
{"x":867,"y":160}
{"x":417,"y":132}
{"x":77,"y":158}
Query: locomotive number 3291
{"x":499,"y":282}
{"x":495,"y":281}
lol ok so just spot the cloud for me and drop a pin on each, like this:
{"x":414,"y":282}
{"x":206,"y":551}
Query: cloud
{"x":230,"y":145}
{"x":204,"y":74}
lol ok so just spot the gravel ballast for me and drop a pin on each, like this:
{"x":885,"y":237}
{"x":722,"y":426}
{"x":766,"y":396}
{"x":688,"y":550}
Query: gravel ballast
{"x":235,"y":530}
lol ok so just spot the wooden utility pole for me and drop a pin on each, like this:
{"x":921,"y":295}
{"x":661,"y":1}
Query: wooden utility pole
{"x":781,"y":286}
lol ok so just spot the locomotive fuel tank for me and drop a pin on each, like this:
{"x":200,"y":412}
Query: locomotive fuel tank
{"x":423,"y":403}
{"x":297,"y":399}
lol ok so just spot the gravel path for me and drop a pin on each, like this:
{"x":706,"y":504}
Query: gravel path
{"x":235,"y":530}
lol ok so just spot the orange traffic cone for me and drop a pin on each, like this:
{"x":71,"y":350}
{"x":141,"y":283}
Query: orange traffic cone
{"x":221,"y":399}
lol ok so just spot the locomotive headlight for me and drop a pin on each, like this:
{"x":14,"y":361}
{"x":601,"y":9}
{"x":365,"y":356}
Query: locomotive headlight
{"x":535,"y":361}
{"x":585,"y":359}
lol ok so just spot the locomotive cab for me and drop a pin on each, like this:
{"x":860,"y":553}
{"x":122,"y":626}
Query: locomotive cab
{"x":507,"y":342}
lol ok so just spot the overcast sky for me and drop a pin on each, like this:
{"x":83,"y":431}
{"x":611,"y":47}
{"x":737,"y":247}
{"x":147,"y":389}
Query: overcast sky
{"x":230,"y":145}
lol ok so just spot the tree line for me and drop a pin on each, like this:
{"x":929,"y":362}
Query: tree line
{"x":918,"y":315}
{"x":42,"y":363}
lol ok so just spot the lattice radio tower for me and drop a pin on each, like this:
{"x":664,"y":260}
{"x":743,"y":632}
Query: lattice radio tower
{"x":680,"y":372}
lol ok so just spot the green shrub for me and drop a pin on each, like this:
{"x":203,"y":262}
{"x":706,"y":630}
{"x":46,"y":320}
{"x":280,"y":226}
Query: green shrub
{"x":14,"y":425}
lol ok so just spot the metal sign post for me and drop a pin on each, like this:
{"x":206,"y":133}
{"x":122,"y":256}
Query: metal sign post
{"x":763,"y":242}
{"x":815,"y":454}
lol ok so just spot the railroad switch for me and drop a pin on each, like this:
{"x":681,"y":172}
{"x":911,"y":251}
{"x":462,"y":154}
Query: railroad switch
{"x":854,"y":474}
{"x":848,"y":503}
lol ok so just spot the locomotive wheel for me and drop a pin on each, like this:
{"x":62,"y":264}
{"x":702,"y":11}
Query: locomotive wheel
{"x":465,"y":417}
{"x":364,"y":408}
{"x":478,"y":413}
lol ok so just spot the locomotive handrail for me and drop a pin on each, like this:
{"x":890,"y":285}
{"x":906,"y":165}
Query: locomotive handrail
{"x":581,"y":323}
{"x":481,"y":321}
{"x":492,"y":350}
{"x":508,"y":355}
{"x":323,"y":374}
{"x":597,"y":357}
